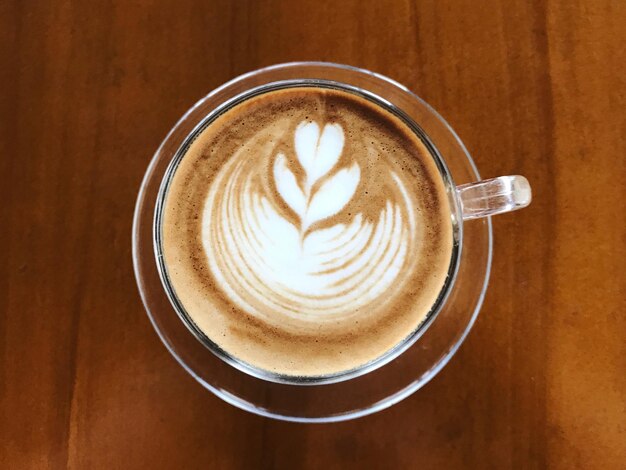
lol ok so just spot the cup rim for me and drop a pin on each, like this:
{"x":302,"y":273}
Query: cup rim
{"x":387,"y":356}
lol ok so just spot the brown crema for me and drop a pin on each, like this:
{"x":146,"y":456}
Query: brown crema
{"x":307,"y":231}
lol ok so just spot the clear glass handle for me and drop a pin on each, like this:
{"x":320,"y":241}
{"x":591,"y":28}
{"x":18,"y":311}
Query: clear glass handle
{"x":494,"y":196}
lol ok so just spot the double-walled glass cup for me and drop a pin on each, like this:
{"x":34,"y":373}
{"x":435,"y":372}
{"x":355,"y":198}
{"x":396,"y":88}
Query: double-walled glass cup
{"x":409,"y":365}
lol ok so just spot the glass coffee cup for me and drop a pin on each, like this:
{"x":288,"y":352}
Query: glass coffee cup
{"x":406,"y":367}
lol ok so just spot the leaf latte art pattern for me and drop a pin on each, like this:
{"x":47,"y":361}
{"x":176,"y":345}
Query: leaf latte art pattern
{"x":299,"y":242}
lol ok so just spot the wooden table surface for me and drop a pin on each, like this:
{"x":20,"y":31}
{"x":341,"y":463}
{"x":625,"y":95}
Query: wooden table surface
{"x":88,"y":89}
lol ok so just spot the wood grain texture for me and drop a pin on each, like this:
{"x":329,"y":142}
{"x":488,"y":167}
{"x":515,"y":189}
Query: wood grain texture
{"x":89,"y":89}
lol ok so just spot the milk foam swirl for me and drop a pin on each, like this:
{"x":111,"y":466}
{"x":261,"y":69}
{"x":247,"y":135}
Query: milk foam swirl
{"x":278,"y":250}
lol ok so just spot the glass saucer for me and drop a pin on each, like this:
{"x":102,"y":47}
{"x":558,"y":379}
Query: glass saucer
{"x":366,"y":393}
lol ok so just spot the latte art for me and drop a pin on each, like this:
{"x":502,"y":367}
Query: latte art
{"x":301,"y":262}
{"x":306,"y":232}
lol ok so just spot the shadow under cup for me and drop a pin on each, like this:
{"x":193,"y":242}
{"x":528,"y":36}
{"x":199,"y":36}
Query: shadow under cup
{"x":411,"y":337}
{"x":370,"y":388}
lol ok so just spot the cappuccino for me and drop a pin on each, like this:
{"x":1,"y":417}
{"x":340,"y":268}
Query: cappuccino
{"x":306,"y":231}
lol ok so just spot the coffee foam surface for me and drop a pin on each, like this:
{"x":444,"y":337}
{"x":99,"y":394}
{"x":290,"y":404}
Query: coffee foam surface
{"x":307,"y":231}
